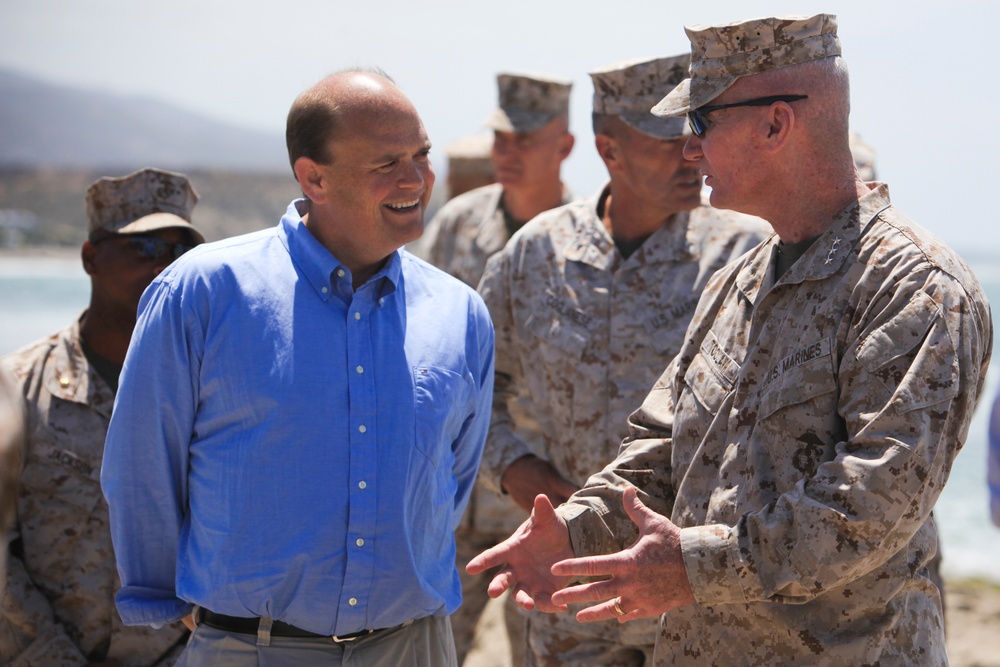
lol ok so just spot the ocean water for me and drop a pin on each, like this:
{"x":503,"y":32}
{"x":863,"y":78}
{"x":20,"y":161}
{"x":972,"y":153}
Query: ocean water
{"x":39,"y":296}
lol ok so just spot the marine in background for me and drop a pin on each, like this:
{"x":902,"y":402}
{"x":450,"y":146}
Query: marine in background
{"x":58,"y":609}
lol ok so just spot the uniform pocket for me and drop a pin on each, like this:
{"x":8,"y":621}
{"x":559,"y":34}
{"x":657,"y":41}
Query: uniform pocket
{"x":711,"y":375}
{"x":799,"y":376}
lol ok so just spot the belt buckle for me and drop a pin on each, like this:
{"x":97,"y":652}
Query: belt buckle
{"x":347,"y":639}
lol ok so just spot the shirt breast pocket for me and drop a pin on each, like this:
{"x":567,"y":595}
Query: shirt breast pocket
{"x":62,"y":478}
{"x":803,"y":378}
{"x":711,"y":375}
{"x":560,"y":337}
{"x":443,"y":400}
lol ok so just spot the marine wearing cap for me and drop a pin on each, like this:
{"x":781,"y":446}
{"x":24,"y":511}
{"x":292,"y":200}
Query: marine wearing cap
{"x":629,"y":88}
{"x":528,"y":101}
{"x":143,"y":201}
{"x":722,"y":54}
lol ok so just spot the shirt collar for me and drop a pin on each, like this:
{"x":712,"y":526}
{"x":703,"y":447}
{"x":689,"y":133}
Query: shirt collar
{"x":318,"y":265}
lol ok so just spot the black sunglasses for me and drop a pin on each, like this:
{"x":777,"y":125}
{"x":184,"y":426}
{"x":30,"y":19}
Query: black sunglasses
{"x":699,"y":123}
{"x":152,"y":247}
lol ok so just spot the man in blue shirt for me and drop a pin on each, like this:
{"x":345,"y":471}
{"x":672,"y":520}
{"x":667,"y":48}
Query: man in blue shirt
{"x":302,"y":413}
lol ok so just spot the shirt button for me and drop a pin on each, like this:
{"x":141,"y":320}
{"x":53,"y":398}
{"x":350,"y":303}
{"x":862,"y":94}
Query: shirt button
{"x":362,"y":485}
{"x":63,"y":381}
{"x":353,"y":602}
{"x":360,"y":370}
{"x":381,"y":301}
{"x":360,"y":542}
{"x":362,"y":428}
{"x":340,"y":272}
{"x":357,"y":316}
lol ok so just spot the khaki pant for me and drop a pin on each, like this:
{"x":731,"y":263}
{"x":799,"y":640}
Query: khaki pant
{"x":424,"y":643}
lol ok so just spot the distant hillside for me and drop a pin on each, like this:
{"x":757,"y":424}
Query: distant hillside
{"x":231,"y":202}
{"x":50,"y":126}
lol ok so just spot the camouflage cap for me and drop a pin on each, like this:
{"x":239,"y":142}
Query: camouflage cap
{"x":143,"y":201}
{"x":629,"y":89}
{"x":528,"y":101}
{"x":471,"y":154}
{"x":722,"y":54}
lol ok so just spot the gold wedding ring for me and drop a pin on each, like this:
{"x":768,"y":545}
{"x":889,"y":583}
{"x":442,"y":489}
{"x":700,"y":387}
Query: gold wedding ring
{"x":618,"y":608}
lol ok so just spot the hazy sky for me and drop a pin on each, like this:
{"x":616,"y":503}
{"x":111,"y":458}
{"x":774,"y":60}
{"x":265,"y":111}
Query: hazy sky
{"x":924,"y":75}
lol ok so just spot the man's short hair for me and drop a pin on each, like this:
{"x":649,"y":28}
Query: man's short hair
{"x":312,"y":120}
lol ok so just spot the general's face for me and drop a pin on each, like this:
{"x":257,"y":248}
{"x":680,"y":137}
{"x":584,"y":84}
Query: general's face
{"x":725,"y":153}
{"x":522,"y":158}
{"x":657,"y":171}
{"x":122,"y":266}
{"x":381,"y":178}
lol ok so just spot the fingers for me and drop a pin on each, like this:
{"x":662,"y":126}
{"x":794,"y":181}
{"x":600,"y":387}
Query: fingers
{"x":589,"y":566}
{"x":589,"y":592}
{"x":500,"y":583}
{"x":543,"y":511}
{"x":490,"y":558}
{"x":634,"y":508}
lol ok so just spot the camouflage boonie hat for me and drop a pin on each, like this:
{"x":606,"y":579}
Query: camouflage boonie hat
{"x":629,"y":89}
{"x":470,"y":155}
{"x":528,"y":101}
{"x":722,"y":54}
{"x":143,"y":201}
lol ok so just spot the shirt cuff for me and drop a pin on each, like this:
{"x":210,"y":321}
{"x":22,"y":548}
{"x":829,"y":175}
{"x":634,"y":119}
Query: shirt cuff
{"x":500,"y":452}
{"x":714,"y":568}
{"x":588,"y":534}
{"x":144,"y":606}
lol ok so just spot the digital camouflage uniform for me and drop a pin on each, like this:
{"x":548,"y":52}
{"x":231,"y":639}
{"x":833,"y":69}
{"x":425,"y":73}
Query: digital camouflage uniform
{"x":58,"y":607}
{"x":582,"y":335}
{"x":800,"y":440}
{"x":465,"y":233}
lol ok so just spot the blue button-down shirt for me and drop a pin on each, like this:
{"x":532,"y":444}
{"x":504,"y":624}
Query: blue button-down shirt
{"x":284,"y":446}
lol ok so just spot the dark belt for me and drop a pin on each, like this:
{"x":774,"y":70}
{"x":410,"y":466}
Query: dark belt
{"x":248,"y":626}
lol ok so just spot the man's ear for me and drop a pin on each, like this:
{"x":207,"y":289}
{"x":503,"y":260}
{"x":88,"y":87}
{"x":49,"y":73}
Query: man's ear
{"x":311,"y":178}
{"x":780,"y":123}
{"x":88,"y":254}
{"x":566,"y":143}
{"x":607,"y":148}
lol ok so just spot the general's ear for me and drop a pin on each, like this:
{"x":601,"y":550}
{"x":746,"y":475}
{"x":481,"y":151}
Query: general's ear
{"x":311,"y":178}
{"x":780,"y":123}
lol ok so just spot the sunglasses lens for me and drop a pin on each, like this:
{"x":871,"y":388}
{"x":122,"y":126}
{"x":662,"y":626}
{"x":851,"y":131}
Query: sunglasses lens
{"x":697,"y":122}
{"x":152,"y":247}
{"x":148,"y":248}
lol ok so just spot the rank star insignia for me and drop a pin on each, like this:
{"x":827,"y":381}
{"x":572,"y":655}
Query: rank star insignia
{"x":833,"y":250}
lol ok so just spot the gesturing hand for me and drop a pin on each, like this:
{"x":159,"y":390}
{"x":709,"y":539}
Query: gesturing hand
{"x":528,"y":556}
{"x":645,"y":580}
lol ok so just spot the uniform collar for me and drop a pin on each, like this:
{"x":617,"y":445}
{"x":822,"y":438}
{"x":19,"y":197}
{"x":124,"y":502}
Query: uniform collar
{"x":70,"y":377}
{"x":592,"y":243}
{"x":492,"y":235}
{"x":827,"y":254}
